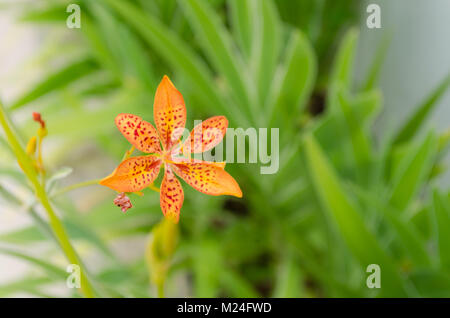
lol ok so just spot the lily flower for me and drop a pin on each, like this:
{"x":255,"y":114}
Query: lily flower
{"x":163,"y":146}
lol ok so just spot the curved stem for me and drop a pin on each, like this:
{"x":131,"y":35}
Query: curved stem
{"x":75,"y":186}
{"x":58,"y":229}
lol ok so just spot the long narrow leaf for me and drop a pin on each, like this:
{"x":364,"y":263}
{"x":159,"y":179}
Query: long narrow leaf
{"x":51,"y":269}
{"x":412,"y":173}
{"x":241,"y":13}
{"x":179,"y":55}
{"x":342,"y":71}
{"x":299,"y":72}
{"x":413,"y":125}
{"x":57,"y":80}
{"x":442,"y":226}
{"x":218,"y":46}
{"x":377,"y":63}
{"x":410,"y":239}
{"x":125,"y":46}
{"x":362,"y":150}
{"x":360,"y":241}
{"x":267,"y":45}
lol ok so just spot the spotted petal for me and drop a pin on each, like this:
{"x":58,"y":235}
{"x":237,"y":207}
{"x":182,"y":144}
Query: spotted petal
{"x":206,"y":135}
{"x":176,"y":159}
{"x":207,"y":178}
{"x":217,"y":164}
{"x":171,"y":196}
{"x":133,"y":174}
{"x":139,"y":133}
{"x":169,"y":112}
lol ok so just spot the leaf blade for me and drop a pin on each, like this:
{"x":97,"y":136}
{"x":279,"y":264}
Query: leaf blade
{"x":360,"y":241}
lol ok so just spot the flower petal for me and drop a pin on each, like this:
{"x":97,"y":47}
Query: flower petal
{"x":169,"y":112}
{"x":133,"y":174}
{"x":139,"y":133}
{"x":177,"y":160}
{"x":171,"y":196}
{"x":220,"y":165}
{"x":206,"y":135}
{"x":207,"y":178}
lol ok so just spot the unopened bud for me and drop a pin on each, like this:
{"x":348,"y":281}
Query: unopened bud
{"x":31,"y":146}
{"x":42,"y":132}
{"x":123,"y":202}
{"x":160,"y":249}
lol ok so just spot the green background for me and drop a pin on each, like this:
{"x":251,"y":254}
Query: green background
{"x":341,"y":200}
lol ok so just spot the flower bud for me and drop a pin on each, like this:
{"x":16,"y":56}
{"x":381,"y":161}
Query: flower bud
{"x":160,"y":249}
{"x":42,"y":132}
{"x":31,"y":146}
{"x":123,"y":202}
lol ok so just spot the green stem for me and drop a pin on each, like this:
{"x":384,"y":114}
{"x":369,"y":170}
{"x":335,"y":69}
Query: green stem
{"x":56,"y":225}
{"x":128,"y":153}
{"x":75,"y":186}
{"x":160,"y":288}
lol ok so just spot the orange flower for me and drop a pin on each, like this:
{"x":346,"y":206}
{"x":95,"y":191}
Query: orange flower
{"x":164,"y":148}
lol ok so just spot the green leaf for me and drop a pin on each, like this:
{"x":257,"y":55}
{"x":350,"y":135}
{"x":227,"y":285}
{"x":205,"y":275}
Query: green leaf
{"x":56,"y":14}
{"x":444,"y":143}
{"x":289,"y":279}
{"x":413,"y":125}
{"x":28,"y":284}
{"x":405,"y":230}
{"x":75,"y":228}
{"x":362,"y":150}
{"x":347,"y":219}
{"x":166,"y":9}
{"x":58,"y":175}
{"x":375,"y":68}
{"x":412,"y":172}
{"x":330,"y":129}
{"x":266,"y":48}
{"x":207,"y":273}
{"x":125,"y":47}
{"x":442,"y":228}
{"x":237,"y":285}
{"x":410,"y":239}
{"x":342,"y":72}
{"x":218,"y":46}
{"x":51,"y":269}
{"x":431,"y":283}
{"x":179,"y":55}
{"x":242,"y":15}
{"x":57,"y":80}
{"x":366,"y":106}
{"x":343,"y":66}
{"x":22,"y":236}
{"x":99,"y":48}
{"x":299,"y":72}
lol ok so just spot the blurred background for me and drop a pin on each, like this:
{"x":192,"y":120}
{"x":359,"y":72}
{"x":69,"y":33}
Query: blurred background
{"x":363,"y":117}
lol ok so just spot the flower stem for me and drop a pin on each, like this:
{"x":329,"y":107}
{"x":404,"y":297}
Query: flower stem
{"x":160,"y":288}
{"x":26,"y":164}
{"x":128,"y":153}
{"x":75,"y":186}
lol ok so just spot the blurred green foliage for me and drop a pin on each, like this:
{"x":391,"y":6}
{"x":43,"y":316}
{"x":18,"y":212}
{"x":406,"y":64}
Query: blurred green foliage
{"x":340,"y":201}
